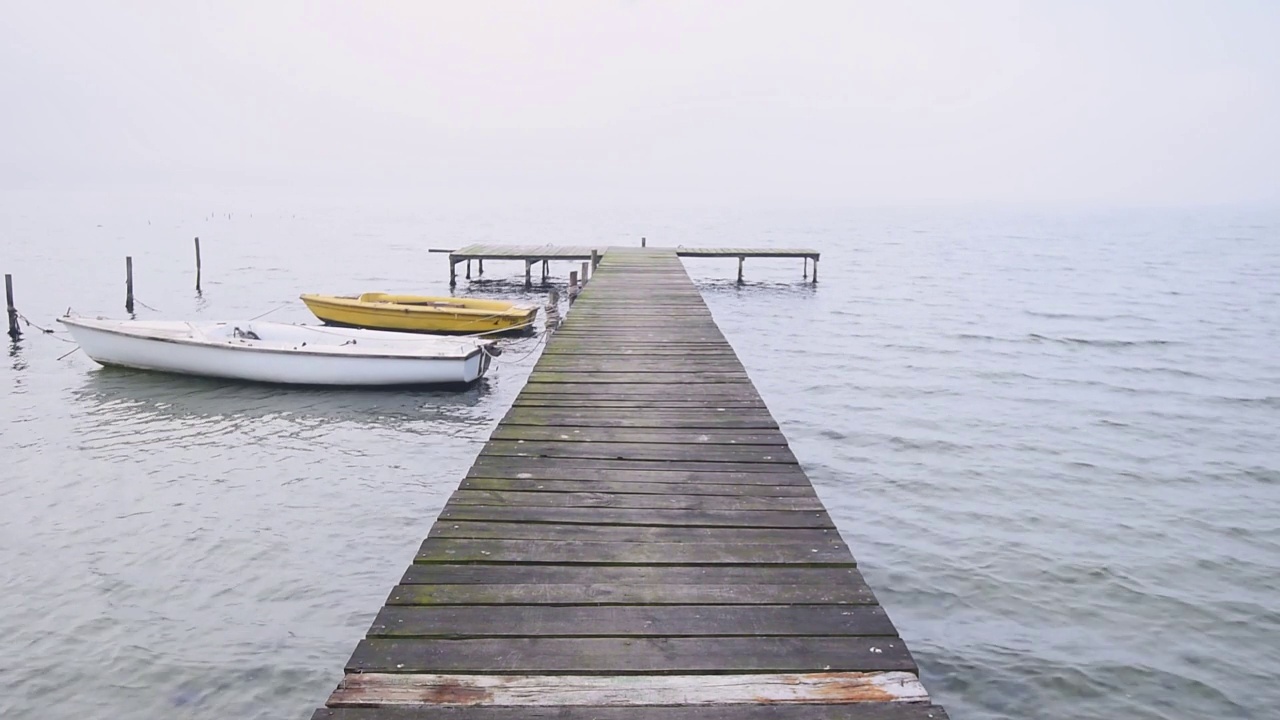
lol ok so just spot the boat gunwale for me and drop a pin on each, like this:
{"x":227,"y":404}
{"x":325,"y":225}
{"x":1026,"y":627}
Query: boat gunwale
{"x":75,"y":322}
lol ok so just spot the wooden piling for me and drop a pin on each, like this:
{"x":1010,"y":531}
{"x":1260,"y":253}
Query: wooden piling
{"x":197,"y":265}
{"x":128,"y":284}
{"x":595,"y":260}
{"x":806,"y":268}
{"x":468,"y":269}
{"x":453,"y":272}
{"x":815,"y":270}
{"x":15,"y":331}
{"x":583,"y":275}
{"x":573,"y":285}
{"x":480,"y":269}
{"x":546,"y":270}
{"x":528,"y":273}
{"x":642,"y":242}
{"x":741,"y":261}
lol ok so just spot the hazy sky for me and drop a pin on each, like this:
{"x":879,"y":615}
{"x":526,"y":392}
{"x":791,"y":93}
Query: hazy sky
{"x":773,"y":103}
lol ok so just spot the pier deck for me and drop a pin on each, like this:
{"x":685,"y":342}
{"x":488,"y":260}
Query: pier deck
{"x":533,"y":254}
{"x":636,"y":541}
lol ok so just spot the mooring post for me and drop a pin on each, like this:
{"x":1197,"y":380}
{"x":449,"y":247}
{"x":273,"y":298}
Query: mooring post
{"x":815,"y":270}
{"x":573,"y":285}
{"x":583,"y":275}
{"x":642,"y":242}
{"x":595,"y":260}
{"x":528,"y":273}
{"x":197,"y":265}
{"x":15,"y":332}
{"x":453,"y":272}
{"x":468,"y":268}
{"x":480,"y":262}
{"x":740,"y":261}
{"x":128,"y":284}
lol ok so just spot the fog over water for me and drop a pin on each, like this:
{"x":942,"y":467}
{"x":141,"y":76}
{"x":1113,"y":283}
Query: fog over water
{"x":1037,"y":386}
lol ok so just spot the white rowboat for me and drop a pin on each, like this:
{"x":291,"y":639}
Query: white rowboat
{"x":282,"y":353}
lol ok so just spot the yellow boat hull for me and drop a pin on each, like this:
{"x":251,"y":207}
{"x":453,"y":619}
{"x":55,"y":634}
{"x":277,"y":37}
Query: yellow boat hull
{"x":421,"y":313}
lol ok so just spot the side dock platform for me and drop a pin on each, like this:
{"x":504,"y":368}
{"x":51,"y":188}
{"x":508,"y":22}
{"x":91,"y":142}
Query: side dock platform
{"x":636,"y":541}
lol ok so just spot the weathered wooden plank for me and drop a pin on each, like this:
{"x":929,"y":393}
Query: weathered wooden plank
{"x":844,"y":580}
{"x":614,"y":516}
{"x":769,"y":454}
{"x":722,"y":405}
{"x":646,"y":471}
{"x":575,"y":691}
{"x":708,"y":436}
{"x":839,"y":710}
{"x":602,"y":594}
{"x":643,"y":390}
{"x":629,"y":533}
{"x":462,"y":622}
{"x":631,"y":500}
{"x":632,"y":656}
{"x":711,"y":378}
{"x":634,"y":363}
{"x":638,"y":488}
{"x":632,"y":418}
{"x":465,"y":550}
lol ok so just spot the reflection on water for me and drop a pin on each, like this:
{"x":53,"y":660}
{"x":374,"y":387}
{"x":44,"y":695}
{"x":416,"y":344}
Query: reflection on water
{"x":108,"y":391}
{"x":118,"y":409}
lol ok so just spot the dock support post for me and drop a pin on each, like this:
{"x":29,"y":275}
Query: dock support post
{"x":573,"y":285}
{"x":806,"y":268}
{"x":595,"y":260}
{"x":815,"y":271}
{"x":15,"y":332}
{"x":584,"y":274}
{"x":128,"y":284}
{"x":197,"y":266}
{"x":546,"y":270}
{"x":481,"y":268}
{"x":741,"y":260}
{"x":453,"y":272}
{"x":528,"y":273}
{"x":468,"y":269}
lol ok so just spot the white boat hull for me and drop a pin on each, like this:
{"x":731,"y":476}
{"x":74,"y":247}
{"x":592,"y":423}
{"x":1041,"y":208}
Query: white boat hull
{"x":376,"y":363}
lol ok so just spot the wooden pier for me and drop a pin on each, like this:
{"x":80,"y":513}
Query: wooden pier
{"x":532,"y":255}
{"x":635,"y":542}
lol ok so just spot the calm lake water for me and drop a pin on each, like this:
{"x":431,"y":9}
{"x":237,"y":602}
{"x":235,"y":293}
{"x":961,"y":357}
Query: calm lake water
{"x":1050,"y":439}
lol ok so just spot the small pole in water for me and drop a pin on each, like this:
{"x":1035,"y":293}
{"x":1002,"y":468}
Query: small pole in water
{"x":553,"y":310}
{"x":573,"y":285}
{"x":15,"y":332}
{"x":481,"y":269}
{"x":453,"y":272}
{"x":528,"y":273}
{"x":815,"y":270}
{"x":197,"y":266}
{"x":740,"y":261}
{"x":595,"y":259}
{"x":583,"y":274}
{"x":642,"y":242}
{"x":546,"y":270}
{"x":468,"y":268}
{"x":128,"y":284}
{"x":806,"y":268}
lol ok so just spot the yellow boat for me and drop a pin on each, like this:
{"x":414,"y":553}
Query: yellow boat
{"x":420,"y":313}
